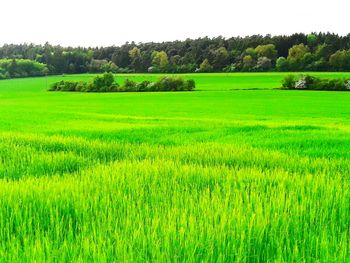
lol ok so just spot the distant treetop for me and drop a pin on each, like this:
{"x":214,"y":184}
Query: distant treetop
{"x":297,"y":52}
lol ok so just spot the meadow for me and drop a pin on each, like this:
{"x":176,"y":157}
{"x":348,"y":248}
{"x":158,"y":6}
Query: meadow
{"x":236,"y":171}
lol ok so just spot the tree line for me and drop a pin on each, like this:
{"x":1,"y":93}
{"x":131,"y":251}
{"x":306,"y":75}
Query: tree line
{"x":297,"y":52}
{"x":12,"y":68}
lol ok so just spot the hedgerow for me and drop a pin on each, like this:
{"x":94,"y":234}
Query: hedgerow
{"x":106,"y":83}
{"x":307,"y":82}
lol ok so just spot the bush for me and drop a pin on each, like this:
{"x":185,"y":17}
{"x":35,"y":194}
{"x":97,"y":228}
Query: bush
{"x":130,"y":85}
{"x":113,"y":88}
{"x":171,"y":84}
{"x":175,"y":84}
{"x":153,"y":86}
{"x":64,"y":86}
{"x":314,"y":83}
{"x":191,"y":85}
{"x":289,"y":82}
{"x":102,"y":83}
{"x":143,"y":86}
{"x":106,"y":83}
{"x":69,"y":86}
{"x":81,"y":86}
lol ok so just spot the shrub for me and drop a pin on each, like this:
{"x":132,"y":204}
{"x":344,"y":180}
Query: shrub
{"x":289,"y":82}
{"x":106,"y":83}
{"x":300,"y":84}
{"x":191,"y":85}
{"x":113,"y":88}
{"x":314,"y":83}
{"x":175,"y":84}
{"x":171,"y":84}
{"x":64,"y":86}
{"x":163,"y":84}
{"x":69,"y":86}
{"x":130,"y":85}
{"x":53,"y":87}
{"x":81,"y":86}
{"x":347,"y":85}
{"x":102,"y":83}
{"x":153,"y":86}
{"x":143,"y":86}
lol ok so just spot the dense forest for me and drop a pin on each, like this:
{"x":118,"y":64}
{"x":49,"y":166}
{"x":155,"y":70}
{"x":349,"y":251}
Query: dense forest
{"x":297,"y":52}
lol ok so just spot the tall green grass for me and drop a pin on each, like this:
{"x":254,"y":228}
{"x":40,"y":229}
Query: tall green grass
{"x":218,"y":176}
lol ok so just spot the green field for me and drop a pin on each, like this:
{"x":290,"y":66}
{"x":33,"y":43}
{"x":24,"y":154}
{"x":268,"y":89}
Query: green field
{"x":237,"y":171}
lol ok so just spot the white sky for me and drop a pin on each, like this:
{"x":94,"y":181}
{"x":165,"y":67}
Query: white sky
{"x":108,"y":22}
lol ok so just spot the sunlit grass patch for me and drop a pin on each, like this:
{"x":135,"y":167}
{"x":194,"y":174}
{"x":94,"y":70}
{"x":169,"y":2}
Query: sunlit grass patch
{"x":208,"y":176}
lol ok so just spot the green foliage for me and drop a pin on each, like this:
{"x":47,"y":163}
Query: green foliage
{"x":304,"y":52}
{"x":311,"y":40}
{"x":205,"y":66}
{"x":297,"y":56}
{"x":190,"y":85}
{"x":129,"y":85}
{"x":134,"y":53}
{"x":340,"y":60}
{"x":269,"y":51}
{"x":16,"y":68}
{"x":136,"y":59}
{"x":230,"y":68}
{"x":160,"y":60}
{"x":102,"y":83}
{"x":251,"y":52}
{"x":288,"y":81}
{"x":99,"y":66}
{"x":109,"y":67}
{"x":248,"y":63}
{"x":175,"y":84}
{"x":143,"y":86}
{"x":163,"y":84}
{"x":81,"y":86}
{"x":282,"y":64}
{"x":220,"y":59}
{"x":106,"y":83}
{"x":263,"y":64}
{"x":308,"y":82}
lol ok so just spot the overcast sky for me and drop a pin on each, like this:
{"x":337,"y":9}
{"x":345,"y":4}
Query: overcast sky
{"x":113,"y":22}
